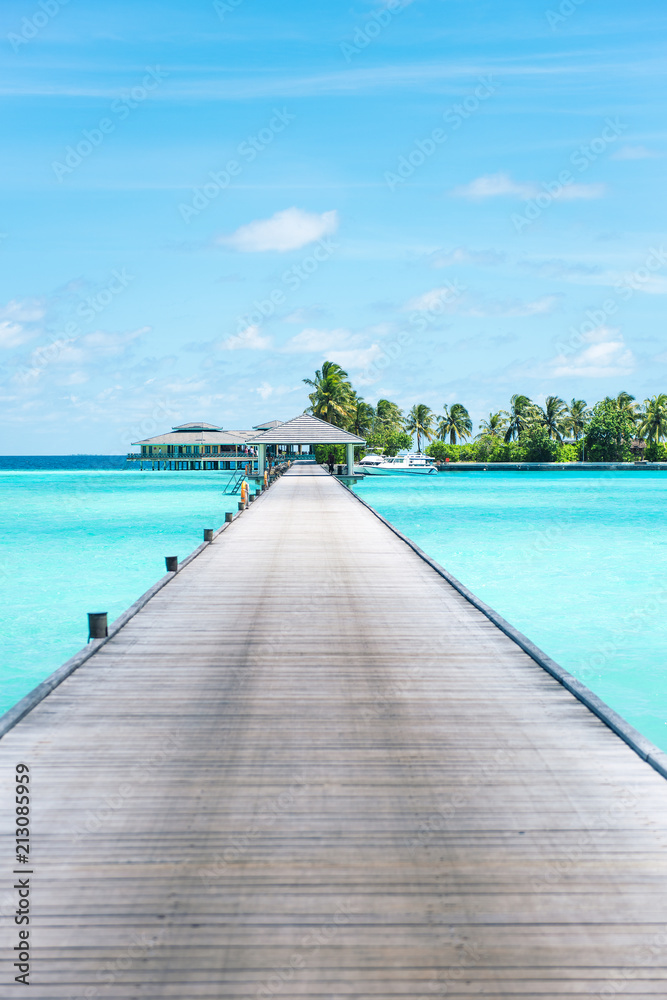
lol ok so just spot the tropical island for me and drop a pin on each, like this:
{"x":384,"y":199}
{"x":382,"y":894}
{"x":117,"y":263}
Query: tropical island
{"x":615,"y":429}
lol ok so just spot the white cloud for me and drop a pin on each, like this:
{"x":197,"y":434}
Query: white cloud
{"x":312,"y":340}
{"x":306,"y":314}
{"x":653,"y":285}
{"x":287,"y":230}
{"x":640,"y":280}
{"x":12,"y":334}
{"x":607,"y":355}
{"x":635,"y":153}
{"x":586,"y":192}
{"x":27,"y":311}
{"x":556,"y":267}
{"x":502,"y":185}
{"x":445,"y":300}
{"x":462,"y":255}
{"x":17,"y":320}
{"x":513,"y":309}
{"x":350,"y":350}
{"x":76,"y":378}
{"x":266,"y":390}
{"x":249,"y":339}
{"x":87,"y":349}
{"x":103,"y":344}
{"x":207,"y":84}
{"x":186,"y":386}
{"x":434,"y":300}
{"x":494,"y":186}
{"x":355,"y":359}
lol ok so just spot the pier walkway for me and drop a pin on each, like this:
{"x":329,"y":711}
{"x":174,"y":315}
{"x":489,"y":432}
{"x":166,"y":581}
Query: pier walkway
{"x":310,"y":768}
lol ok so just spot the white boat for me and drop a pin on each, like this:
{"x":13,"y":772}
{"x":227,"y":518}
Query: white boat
{"x":414,"y":464}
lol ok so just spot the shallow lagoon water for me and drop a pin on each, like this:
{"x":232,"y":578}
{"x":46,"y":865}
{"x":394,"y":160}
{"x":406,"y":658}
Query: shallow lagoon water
{"x":576,"y":561}
{"x":79,"y":541}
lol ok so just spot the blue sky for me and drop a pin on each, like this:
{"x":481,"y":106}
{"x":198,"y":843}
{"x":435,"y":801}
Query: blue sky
{"x":202,"y":201}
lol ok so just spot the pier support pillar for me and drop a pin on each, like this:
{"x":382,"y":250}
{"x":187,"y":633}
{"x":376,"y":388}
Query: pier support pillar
{"x":350,"y":459}
{"x":261,"y":464}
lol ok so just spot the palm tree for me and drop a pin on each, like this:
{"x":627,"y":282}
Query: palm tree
{"x":653,"y":424}
{"x":388,"y":416}
{"x":361,"y":417}
{"x":455,"y":422}
{"x":419,"y":421}
{"x":576,"y":418}
{"x":521,"y":414}
{"x":552,"y":416}
{"x":625,"y":403}
{"x":492,"y":427}
{"x":332,"y":398}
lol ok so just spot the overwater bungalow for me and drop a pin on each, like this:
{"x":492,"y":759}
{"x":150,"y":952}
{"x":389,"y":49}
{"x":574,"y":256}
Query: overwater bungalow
{"x":197,"y":446}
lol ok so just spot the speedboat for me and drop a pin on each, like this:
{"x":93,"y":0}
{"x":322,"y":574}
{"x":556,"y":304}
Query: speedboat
{"x":414,"y":464}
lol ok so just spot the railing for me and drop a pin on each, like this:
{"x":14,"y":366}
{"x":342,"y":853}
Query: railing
{"x":239,"y":459}
{"x":234,"y":484}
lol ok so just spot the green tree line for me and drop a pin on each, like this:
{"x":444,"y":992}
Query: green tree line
{"x":616,"y":429}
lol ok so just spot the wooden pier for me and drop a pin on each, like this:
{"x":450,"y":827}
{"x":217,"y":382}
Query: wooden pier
{"x":310,"y":767}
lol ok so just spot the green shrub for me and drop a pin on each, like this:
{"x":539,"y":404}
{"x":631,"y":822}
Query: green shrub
{"x":537,"y":446}
{"x":569,"y":453}
{"x":441,"y":451}
{"x":340,"y":455}
{"x":493,"y":449}
{"x":397,"y":441}
{"x":656,"y":452}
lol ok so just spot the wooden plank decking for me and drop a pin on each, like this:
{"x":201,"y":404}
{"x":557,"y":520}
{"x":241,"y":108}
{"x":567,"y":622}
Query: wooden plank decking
{"x":310,"y":768}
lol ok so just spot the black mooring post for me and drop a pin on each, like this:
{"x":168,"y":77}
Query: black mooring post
{"x":98,"y":627}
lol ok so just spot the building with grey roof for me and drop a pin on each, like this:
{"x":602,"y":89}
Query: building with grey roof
{"x":307,"y":430}
{"x":197,"y":445}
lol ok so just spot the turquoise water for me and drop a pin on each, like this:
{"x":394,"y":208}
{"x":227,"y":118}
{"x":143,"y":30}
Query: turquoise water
{"x":73,"y":542}
{"x":576,"y":561}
